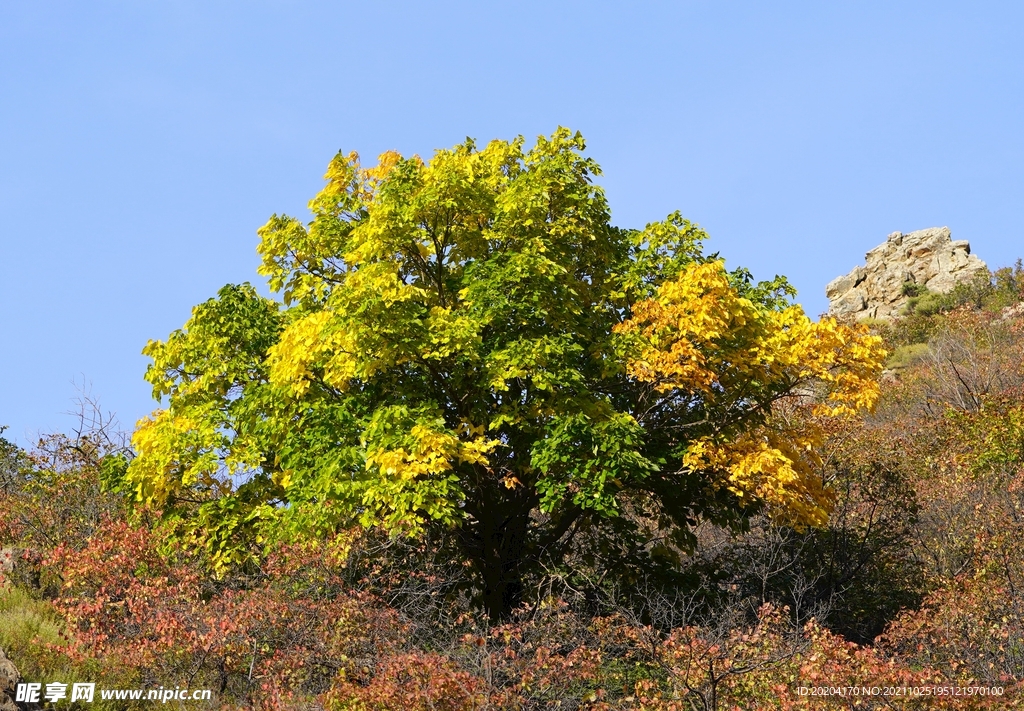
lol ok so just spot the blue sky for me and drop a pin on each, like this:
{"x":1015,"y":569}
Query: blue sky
{"x":142,"y":143}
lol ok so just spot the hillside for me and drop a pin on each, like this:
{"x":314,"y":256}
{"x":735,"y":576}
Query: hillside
{"x":915,"y":580}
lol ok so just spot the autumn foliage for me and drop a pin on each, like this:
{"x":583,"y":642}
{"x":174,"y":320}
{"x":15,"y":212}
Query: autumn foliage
{"x":490,"y":452}
{"x":918,"y":563}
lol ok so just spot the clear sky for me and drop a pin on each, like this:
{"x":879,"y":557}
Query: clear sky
{"x":142,"y":143}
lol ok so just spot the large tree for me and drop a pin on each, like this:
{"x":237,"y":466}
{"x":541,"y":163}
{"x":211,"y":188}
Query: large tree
{"x":468,"y":346}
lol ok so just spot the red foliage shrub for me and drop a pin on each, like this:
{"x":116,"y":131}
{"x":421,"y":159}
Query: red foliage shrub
{"x":288,"y":628}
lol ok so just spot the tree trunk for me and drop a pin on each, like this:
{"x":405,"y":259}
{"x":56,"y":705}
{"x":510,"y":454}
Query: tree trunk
{"x":499,"y":556}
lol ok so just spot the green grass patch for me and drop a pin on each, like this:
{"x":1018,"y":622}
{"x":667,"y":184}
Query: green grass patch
{"x":905,"y":356}
{"x":32,"y":634}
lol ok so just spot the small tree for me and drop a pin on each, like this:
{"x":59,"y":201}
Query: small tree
{"x":468,"y":346}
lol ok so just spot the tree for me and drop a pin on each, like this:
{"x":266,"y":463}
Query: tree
{"x":468,"y":348}
{"x":53,"y":494}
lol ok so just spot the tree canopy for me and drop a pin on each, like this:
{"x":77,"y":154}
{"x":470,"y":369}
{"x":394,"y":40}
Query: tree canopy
{"x":466,"y":346}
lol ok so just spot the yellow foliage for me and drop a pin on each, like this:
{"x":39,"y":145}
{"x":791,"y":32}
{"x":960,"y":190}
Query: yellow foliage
{"x":419,"y":477}
{"x":689,"y":315}
{"x":778,"y":466}
{"x":699,"y":334}
{"x":433,"y":453}
{"x":303,"y":344}
{"x":385,"y":162}
{"x":163,"y":443}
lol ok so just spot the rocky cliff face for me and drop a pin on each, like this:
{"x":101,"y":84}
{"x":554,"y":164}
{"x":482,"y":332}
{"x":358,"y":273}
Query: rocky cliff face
{"x":928,"y":258}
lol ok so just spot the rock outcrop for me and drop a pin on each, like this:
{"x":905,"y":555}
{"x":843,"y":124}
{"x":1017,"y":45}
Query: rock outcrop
{"x":21,"y":566}
{"x":926,"y":258}
{"x":9,"y":678}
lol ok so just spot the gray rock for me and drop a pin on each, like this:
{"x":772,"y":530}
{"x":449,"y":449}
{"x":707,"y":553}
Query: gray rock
{"x":851,"y":302}
{"x":926,"y":257}
{"x":843,"y":284}
{"x":20,"y":565}
{"x":9,"y":678}
{"x":1011,"y":313}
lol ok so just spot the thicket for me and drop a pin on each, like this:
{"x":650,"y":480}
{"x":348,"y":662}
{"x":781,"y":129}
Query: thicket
{"x":916,"y":579}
